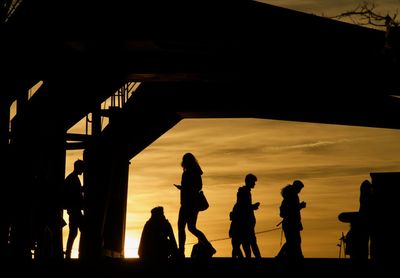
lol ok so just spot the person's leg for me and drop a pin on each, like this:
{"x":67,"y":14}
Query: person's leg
{"x":293,"y":243}
{"x":81,"y":226}
{"x":282,"y":251}
{"x":236,"y":252}
{"x":298,"y":253}
{"x":73,"y":232}
{"x":254,"y":246}
{"x":182,"y":220}
{"x":246,"y":248}
{"x":192,"y":220}
{"x":289,"y":249}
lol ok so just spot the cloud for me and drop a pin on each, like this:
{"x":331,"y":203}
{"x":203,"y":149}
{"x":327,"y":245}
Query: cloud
{"x":316,"y":146}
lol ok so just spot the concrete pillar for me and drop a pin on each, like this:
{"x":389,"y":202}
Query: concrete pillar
{"x":115,"y":221}
{"x":105,"y":182}
{"x":38,"y":175}
{"x":4,"y":173}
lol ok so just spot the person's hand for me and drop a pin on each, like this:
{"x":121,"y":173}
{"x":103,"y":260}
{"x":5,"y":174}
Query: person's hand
{"x":256,"y":205}
{"x":178,"y":186}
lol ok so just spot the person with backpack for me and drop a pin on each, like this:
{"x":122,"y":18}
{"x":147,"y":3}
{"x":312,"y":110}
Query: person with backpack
{"x":243,"y":221}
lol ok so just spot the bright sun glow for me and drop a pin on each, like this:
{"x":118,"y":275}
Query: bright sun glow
{"x":131,"y":247}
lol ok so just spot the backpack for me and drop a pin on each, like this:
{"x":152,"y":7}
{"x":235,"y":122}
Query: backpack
{"x":283,"y":210}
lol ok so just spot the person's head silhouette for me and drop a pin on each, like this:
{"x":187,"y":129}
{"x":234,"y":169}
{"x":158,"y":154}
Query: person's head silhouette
{"x":79,"y":166}
{"x":189,"y":162}
{"x":157,"y":213}
{"x":250,"y":180}
{"x":297,"y":186}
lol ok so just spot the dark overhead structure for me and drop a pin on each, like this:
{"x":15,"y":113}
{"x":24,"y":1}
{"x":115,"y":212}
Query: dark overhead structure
{"x":192,"y":59}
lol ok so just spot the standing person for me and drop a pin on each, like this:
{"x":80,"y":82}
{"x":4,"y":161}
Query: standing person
{"x":191,"y":184}
{"x":157,"y":242}
{"x":73,"y":194}
{"x":364,"y":221}
{"x":291,"y":223}
{"x":243,"y":219}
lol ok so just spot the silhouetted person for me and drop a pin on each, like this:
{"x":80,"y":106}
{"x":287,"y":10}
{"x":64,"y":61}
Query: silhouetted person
{"x":291,"y":223}
{"x":191,"y":184}
{"x":365,"y":214}
{"x":358,"y":237}
{"x":242,"y":230}
{"x":73,"y":198}
{"x":157,"y":242}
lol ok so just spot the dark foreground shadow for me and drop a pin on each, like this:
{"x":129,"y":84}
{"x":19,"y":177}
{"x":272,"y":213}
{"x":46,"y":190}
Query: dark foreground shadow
{"x":213,"y":267}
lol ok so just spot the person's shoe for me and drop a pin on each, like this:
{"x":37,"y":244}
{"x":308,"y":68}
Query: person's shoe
{"x":67,"y":255}
{"x":212,"y":250}
{"x":181,"y":254}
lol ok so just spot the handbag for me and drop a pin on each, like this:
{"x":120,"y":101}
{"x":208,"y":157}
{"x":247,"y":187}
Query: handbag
{"x":202,"y":203}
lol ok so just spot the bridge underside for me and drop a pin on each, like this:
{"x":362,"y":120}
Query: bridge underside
{"x":204,"y":59}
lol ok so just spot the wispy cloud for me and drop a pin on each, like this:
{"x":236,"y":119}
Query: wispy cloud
{"x":311,"y":146}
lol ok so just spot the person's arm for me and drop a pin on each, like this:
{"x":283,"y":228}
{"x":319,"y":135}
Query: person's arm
{"x":183,"y":182}
{"x":255,"y":206}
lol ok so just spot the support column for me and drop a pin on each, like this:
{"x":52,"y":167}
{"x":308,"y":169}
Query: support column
{"x":52,"y":161}
{"x":105,"y":183}
{"x":4,"y":173}
{"x":39,"y":169}
{"x":95,"y":181}
{"x":21,"y":184}
{"x":4,"y":122}
{"x":115,"y":222}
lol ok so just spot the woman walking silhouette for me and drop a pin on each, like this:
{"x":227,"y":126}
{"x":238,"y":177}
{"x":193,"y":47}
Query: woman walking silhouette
{"x":191,"y":184}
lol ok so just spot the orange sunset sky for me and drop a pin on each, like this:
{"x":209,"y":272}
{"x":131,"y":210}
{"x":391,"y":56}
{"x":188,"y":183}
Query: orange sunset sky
{"x":331,"y":160}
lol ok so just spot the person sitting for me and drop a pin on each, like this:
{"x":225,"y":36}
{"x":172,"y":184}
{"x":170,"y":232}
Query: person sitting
{"x":157,"y":241}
